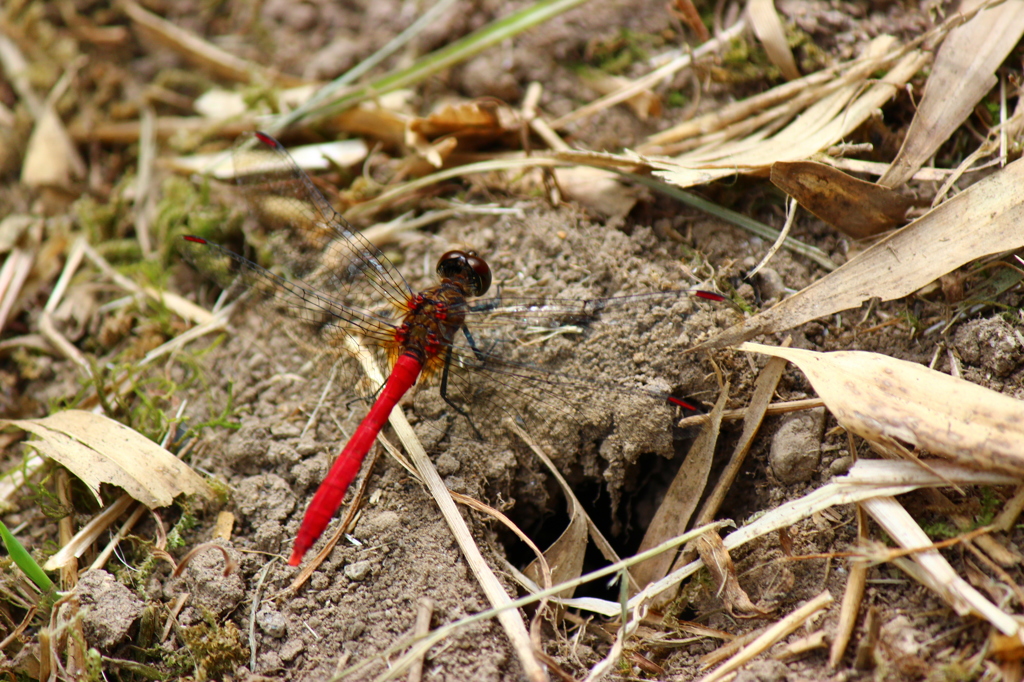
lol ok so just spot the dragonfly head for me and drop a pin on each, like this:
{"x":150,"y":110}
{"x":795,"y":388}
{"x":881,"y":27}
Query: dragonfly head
{"x":467,"y":268}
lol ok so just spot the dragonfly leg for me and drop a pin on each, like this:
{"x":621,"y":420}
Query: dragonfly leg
{"x":444,"y":387}
{"x":472,"y":344}
{"x":444,"y":383}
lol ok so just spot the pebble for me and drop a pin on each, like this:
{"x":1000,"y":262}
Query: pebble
{"x":358,"y":571}
{"x":796,"y":446}
{"x":272,"y":622}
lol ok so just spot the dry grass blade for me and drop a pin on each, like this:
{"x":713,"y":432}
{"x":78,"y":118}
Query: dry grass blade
{"x":565,"y":555}
{"x":199,"y":51}
{"x":931,"y":568}
{"x":88,"y":534}
{"x":13,"y":274}
{"x":867,"y":479}
{"x":918,"y":254}
{"x":682,"y":497}
{"x":884,"y":399}
{"x":825,"y":122}
{"x":767,"y":25}
{"x":101,"y":450}
{"x":772,"y":635}
{"x":852,"y":597}
{"x":653,"y":78}
{"x":510,"y":620}
{"x":964,"y":71}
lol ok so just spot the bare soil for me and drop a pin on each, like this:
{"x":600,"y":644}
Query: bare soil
{"x":363,"y":600}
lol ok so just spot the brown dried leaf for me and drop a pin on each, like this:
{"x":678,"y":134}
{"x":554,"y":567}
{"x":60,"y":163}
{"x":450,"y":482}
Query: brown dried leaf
{"x":980,"y":221}
{"x":716,"y":559}
{"x":101,"y":450}
{"x":373,"y":121}
{"x":480,"y":120}
{"x":682,"y":497}
{"x":883,"y":399}
{"x":857,"y":208}
{"x":964,"y":71}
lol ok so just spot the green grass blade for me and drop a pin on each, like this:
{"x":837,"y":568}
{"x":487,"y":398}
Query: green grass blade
{"x":24,"y":560}
{"x":452,"y":54}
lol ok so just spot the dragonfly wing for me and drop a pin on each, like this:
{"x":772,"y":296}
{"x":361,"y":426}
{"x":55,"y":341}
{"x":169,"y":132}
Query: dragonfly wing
{"x":320,"y":321}
{"x":517,"y":361}
{"x":309,"y":237}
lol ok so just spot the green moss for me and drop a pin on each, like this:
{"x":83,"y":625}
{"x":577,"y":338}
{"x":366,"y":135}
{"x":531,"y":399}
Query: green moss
{"x":217,"y":648}
{"x":616,"y":54}
{"x":186,"y":208}
{"x":188,"y":521}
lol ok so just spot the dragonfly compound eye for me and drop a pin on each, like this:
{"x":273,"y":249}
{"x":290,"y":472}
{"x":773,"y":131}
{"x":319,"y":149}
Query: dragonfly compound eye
{"x":468,"y":266}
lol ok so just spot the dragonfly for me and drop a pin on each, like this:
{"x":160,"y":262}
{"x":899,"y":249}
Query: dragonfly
{"x":342,"y":287}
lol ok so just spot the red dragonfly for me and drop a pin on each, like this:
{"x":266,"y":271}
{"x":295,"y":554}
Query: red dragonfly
{"x":342,"y":285}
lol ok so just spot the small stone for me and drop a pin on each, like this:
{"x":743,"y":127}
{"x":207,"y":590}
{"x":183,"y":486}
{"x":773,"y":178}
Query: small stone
{"x":272,"y":623}
{"x":796,"y":446}
{"x":771,"y":284}
{"x":358,"y":571}
{"x":840,"y":466}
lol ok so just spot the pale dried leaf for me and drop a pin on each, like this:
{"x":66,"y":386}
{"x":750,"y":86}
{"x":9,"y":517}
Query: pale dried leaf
{"x":311,"y":157}
{"x":964,"y":71}
{"x":597,"y":190}
{"x":980,"y":221}
{"x":769,"y":30}
{"x":101,"y":450}
{"x":881,"y":398}
{"x":216,"y":103}
{"x":51,"y":159}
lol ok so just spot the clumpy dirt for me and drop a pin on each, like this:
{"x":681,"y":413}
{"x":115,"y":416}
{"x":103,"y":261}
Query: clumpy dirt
{"x":402,"y":548}
{"x":617,"y":453}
